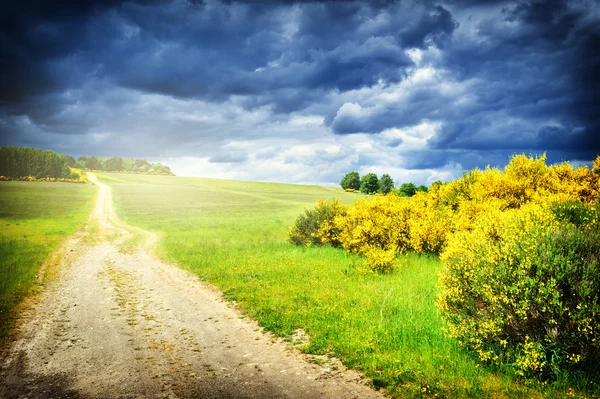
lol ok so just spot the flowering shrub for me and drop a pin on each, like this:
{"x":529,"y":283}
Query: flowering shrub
{"x":380,"y":222}
{"x":429,"y":224}
{"x":521,"y":253}
{"x":378,"y":259}
{"x":316,"y":226}
{"x":76,"y":176}
{"x":522,"y":288}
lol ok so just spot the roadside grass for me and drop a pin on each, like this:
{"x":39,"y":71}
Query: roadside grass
{"x":34,"y":219}
{"x":233,"y":235}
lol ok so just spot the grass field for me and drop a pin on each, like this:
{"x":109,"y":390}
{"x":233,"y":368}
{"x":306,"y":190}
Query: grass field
{"x":233,"y":235}
{"x":34,"y":219}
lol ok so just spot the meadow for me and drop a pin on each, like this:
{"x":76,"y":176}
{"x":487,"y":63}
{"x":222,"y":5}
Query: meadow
{"x":234,"y":235}
{"x":34,"y":218}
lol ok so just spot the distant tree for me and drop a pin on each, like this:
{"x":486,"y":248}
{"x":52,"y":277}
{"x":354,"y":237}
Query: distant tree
{"x":408,"y":189}
{"x":369,"y":184}
{"x":140,"y":163}
{"x":114,"y":164}
{"x":80,"y":164}
{"x":422,"y":188}
{"x":145,"y":168}
{"x":65,"y":171}
{"x":436,"y":183}
{"x":386,"y":184}
{"x":93,"y":163}
{"x":351,"y":180}
{"x":128,"y":164}
{"x":69,"y":160}
{"x":159,"y":167}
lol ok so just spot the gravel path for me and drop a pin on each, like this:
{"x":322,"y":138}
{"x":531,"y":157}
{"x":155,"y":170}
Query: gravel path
{"x":125,"y":325}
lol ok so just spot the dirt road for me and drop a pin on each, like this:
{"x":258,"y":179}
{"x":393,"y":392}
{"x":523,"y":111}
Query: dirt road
{"x":114,"y":324}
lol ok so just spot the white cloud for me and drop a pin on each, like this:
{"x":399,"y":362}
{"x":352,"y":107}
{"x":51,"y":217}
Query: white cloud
{"x":414,"y":137}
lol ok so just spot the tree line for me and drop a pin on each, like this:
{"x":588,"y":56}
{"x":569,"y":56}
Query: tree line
{"x":16,"y":162}
{"x":371,"y":184}
{"x":118,"y":164}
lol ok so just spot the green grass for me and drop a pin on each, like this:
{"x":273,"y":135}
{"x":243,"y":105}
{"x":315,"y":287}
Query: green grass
{"x":34,"y":219}
{"x":233,"y":235}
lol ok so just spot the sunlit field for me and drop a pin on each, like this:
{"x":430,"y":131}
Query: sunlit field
{"x":34,"y":219}
{"x":234,"y":235}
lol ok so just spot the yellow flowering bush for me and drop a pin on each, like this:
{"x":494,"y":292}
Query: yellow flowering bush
{"x":522,"y":288}
{"x":76,"y":176}
{"x":378,"y":222}
{"x":378,"y":259}
{"x":521,"y":254}
{"x":316,"y":226}
{"x":425,"y":222}
{"x":430,"y":222}
{"x":530,"y":179}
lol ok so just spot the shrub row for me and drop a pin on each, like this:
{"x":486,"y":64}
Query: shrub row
{"x":520,"y":248}
{"x":76,"y":176}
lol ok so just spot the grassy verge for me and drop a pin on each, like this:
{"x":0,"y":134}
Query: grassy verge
{"x":233,"y":234}
{"x":34,"y":219}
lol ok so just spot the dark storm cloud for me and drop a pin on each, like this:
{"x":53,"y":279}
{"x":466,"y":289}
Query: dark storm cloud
{"x":533,"y":68}
{"x":540,"y":62}
{"x":34,"y":34}
{"x":211,"y":50}
{"x":283,"y":55}
{"x":509,"y":76}
{"x":279,"y":55}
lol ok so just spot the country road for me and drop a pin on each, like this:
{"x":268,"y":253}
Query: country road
{"x":119,"y":323}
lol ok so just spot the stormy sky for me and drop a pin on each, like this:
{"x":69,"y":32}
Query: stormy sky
{"x":303,"y":91}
